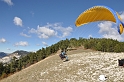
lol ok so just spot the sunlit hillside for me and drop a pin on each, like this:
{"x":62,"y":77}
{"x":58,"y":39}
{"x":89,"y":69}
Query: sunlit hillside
{"x":83,"y":66}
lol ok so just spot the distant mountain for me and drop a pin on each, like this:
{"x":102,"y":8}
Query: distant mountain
{"x":2,"y":54}
{"x":5,"y":58}
{"x":21,"y":52}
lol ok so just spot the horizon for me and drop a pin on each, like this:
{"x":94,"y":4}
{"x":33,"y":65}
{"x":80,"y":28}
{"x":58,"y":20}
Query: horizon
{"x":30,"y":25}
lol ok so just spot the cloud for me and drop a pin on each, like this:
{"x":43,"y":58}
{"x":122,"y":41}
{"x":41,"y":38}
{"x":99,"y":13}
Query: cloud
{"x":44,"y":43}
{"x":17,"y":21}
{"x":25,"y":35}
{"x":32,"y":30}
{"x":50,"y":30}
{"x":108,"y":30}
{"x":8,"y":49}
{"x":2,"y":40}
{"x":9,"y":2}
{"x":43,"y":36}
{"x":65,"y":31}
{"x":21,"y":43}
{"x":43,"y":32}
{"x":122,"y":16}
{"x":38,"y":45}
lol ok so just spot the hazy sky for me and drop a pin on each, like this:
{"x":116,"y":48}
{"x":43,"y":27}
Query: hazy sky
{"x":33,"y":24}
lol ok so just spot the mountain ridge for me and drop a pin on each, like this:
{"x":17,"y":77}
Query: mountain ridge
{"x":2,"y":54}
{"x":21,"y":52}
{"x":6,"y":58}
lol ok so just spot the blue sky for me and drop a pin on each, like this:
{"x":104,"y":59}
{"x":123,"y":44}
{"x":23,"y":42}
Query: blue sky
{"x":33,"y":24}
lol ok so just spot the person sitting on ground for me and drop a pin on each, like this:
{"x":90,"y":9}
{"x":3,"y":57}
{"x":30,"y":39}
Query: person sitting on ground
{"x":63,"y":55}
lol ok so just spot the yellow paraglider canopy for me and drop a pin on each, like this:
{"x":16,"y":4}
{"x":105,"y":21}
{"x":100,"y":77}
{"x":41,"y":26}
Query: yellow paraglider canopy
{"x":96,"y":13}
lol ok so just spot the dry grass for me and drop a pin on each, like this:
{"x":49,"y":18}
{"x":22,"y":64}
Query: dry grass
{"x":83,"y":66}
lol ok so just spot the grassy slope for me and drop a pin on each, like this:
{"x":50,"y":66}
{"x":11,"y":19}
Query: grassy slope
{"x":83,"y":66}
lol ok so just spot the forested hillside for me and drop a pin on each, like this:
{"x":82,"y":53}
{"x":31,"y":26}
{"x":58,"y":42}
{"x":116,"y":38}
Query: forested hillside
{"x":98,"y":44}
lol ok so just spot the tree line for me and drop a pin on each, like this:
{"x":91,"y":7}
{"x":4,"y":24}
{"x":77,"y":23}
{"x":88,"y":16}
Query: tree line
{"x":98,"y":44}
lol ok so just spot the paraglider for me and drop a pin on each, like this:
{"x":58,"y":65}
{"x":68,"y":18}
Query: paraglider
{"x":100,"y":13}
{"x":63,"y":55}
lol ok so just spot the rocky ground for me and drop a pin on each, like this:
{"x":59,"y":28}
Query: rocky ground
{"x":83,"y":66}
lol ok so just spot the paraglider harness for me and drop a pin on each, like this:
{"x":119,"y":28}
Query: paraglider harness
{"x":63,"y":55}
